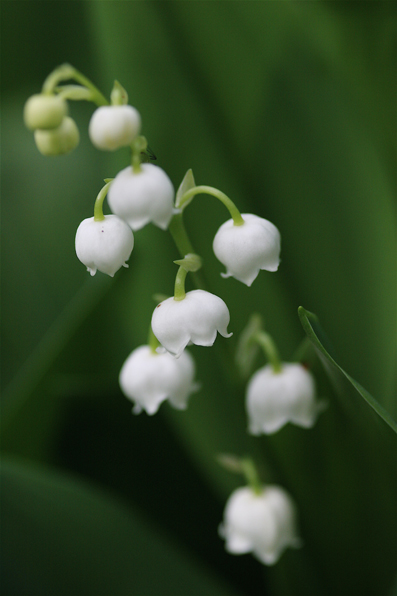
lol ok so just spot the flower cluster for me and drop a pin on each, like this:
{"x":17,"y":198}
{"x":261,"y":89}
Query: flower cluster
{"x":55,"y":133}
{"x":258,"y":518}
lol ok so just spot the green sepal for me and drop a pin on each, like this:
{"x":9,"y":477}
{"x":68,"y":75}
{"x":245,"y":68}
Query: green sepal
{"x":75,"y":92}
{"x":118,"y":96}
{"x":247,"y":350}
{"x":191,"y":262}
{"x":107,"y":180}
{"x":186,"y":184}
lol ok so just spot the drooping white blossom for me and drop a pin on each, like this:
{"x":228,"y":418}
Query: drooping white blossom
{"x":104,"y":245}
{"x":275,"y":398}
{"x":263,"y":524}
{"x":247,"y":248}
{"x":58,"y":141}
{"x":44,"y":111}
{"x":112,"y":127}
{"x":143,"y":197}
{"x":197,"y":319}
{"x":148,"y":378}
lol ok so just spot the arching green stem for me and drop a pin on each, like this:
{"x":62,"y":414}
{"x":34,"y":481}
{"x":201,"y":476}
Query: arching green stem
{"x":66,"y":72}
{"x":98,"y":207}
{"x":209,"y":190}
{"x":153,"y":342}
{"x":249,"y":470}
{"x":269,"y":348}
{"x":179,"y":235}
{"x":179,"y":292}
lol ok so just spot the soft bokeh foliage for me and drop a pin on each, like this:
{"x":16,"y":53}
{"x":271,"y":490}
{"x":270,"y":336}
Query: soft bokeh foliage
{"x":289,"y":108}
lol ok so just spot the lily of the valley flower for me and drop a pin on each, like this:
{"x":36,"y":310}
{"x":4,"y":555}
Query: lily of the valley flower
{"x":58,"y":141}
{"x":104,"y":245}
{"x":275,"y":398}
{"x":142,"y":197}
{"x":245,"y":249}
{"x":112,"y":127}
{"x":44,"y":111}
{"x":148,"y":378}
{"x":196,"y":318}
{"x":263,"y":524}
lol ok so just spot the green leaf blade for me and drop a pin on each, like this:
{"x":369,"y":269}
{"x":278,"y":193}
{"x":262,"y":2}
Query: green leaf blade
{"x":313,"y":330}
{"x":70,"y":538}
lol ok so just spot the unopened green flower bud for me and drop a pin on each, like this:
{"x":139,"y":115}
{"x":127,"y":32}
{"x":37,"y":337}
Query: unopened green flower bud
{"x":44,"y":111}
{"x":58,"y":141}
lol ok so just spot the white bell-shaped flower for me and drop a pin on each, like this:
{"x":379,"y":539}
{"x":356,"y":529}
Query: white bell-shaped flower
{"x":104,"y":245}
{"x":112,"y":127}
{"x":148,"y":378}
{"x":263,"y":524}
{"x":143,"y":197}
{"x":275,"y":398}
{"x":247,"y":248}
{"x":197,"y":319}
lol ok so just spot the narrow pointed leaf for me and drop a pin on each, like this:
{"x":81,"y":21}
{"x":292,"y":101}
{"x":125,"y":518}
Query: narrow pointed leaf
{"x":314,"y":332}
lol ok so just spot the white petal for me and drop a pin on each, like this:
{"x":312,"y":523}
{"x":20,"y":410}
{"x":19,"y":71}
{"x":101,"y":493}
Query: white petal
{"x":247,"y":248}
{"x":196,"y":318}
{"x":149,"y":378}
{"x":142,"y":198}
{"x":112,"y":127}
{"x":273,"y":399}
{"x":104,"y":245}
{"x":264,"y":524}
{"x":238,"y":545}
{"x":169,"y":326}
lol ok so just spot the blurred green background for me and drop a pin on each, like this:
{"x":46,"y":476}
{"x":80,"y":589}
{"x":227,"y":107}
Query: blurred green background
{"x":289,"y":108}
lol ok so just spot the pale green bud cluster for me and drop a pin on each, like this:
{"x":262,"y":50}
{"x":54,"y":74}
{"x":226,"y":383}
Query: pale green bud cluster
{"x":55,"y":133}
{"x":44,"y":111}
{"x":60,"y":140}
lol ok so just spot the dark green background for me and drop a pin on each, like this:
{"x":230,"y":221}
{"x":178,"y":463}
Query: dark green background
{"x":289,"y":108}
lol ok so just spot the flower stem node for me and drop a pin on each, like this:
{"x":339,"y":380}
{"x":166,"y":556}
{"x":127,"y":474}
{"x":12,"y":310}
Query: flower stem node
{"x":275,"y":398}
{"x":149,"y":378}
{"x":140,"y":198}
{"x":112,"y":127}
{"x":196,"y":318}
{"x":247,"y":248}
{"x":104,"y":245}
{"x":263,"y":524}
{"x":58,"y":141}
{"x":44,"y":111}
